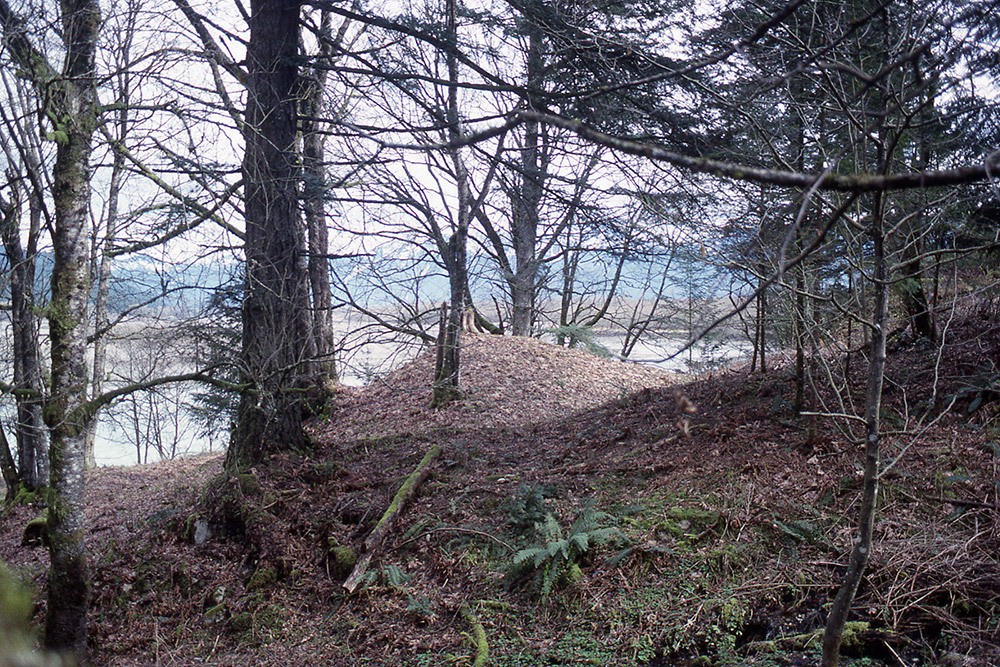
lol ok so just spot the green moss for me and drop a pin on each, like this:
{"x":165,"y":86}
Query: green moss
{"x":852,"y":639}
{"x":263,"y":577}
{"x":571,"y":575}
{"x":255,"y":625}
{"x":15,"y":605}
{"x":688,"y":524}
{"x":36,"y":531}
{"x":326,"y":469}
{"x":17,"y":640}
{"x":24,"y":496}
{"x":241,"y":622}
{"x":341,"y":559}
{"x":248,"y":484}
{"x":271,"y":617}
{"x":407,"y":488}
{"x":189,"y":528}
{"x":231,"y":505}
{"x":215,"y":613}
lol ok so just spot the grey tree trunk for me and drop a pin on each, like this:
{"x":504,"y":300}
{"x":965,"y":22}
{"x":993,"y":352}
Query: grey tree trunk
{"x":526,"y":200}
{"x":873,"y":405}
{"x":103,"y":273}
{"x":447,"y":387}
{"x":31,"y":434}
{"x":278,"y":350}
{"x":74,"y":111}
{"x":101,"y":258}
{"x":314,"y":196}
{"x":70,"y":104}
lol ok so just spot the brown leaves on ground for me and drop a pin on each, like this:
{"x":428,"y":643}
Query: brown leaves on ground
{"x":725,"y":498}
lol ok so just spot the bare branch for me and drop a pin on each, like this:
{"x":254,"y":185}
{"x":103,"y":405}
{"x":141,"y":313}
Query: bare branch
{"x":856,"y":183}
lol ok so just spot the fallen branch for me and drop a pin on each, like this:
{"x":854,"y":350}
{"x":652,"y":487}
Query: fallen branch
{"x":478,"y":637}
{"x":388,"y":520}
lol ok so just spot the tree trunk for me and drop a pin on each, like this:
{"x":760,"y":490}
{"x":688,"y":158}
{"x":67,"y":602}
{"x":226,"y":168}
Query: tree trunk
{"x":278,"y":350}
{"x":873,"y":404}
{"x":447,"y":380}
{"x":913,"y":295}
{"x":30,"y":430}
{"x":447,"y":387}
{"x":314,"y":203}
{"x":912,"y":292}
{"x":526,"y":200}
{"x":762,"y":328}
{"x":798,"y":330}
{"x":103,"y":272}
{"x":75,"y":117}
{"x":571,"y":260}
{"x":70,"y":103}
{"x":11,"y":477}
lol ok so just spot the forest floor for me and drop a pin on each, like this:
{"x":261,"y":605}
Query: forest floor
{"x":582,"y":511}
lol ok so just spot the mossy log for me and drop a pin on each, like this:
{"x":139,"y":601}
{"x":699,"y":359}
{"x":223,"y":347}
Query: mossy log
{"x":478,"y":637}
{"x":388,"y":520}
{"x":856,"y":636}
{"x":35,"y":534}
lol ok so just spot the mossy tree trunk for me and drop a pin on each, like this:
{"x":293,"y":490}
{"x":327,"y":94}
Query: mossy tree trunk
{"x":69,"y":102}
{"x":278,"y":349}
{"x":76,"y":115}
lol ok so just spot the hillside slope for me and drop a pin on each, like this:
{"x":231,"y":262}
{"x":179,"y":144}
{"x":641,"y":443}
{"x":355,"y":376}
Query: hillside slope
{"x":683,"y":521}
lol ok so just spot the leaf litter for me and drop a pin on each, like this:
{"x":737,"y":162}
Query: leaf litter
{"x":737,"y":522}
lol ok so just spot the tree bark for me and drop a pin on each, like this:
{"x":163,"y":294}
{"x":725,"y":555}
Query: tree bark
{"x":447,"y":386}
{"x":28,"y":381}
{"x":11,"y":477}
{"x":278,"y":350}
{"x":314,"y":204}
{"x":74,"y":114}
{"x":912,"y":292}
{"x":69,"y":102}
{"x":526,"y":200}
{"x":873,"y":405}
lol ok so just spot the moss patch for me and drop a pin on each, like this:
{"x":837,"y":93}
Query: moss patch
{"x":263,"y":577}
{"x":340,"y":559}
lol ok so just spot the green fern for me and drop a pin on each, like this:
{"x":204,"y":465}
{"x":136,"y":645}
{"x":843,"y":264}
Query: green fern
{"x":556,"y":559}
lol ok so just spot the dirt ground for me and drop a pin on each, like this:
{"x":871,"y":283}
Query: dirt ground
{"x":582,"y":511}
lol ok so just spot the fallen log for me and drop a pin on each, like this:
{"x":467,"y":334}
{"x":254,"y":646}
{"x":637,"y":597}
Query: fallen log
{"x":374,"y":540}
{"x":478,"y":637}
